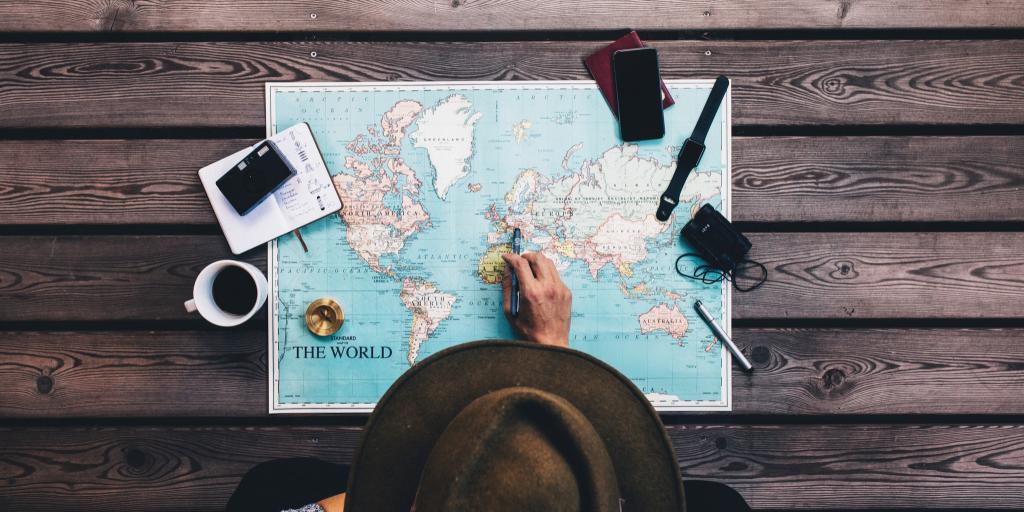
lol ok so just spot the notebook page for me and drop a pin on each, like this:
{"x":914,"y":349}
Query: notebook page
{"x":309,"y":195}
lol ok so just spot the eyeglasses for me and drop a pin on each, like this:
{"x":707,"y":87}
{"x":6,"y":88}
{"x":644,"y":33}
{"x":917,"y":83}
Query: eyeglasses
{"x":747,"y":271}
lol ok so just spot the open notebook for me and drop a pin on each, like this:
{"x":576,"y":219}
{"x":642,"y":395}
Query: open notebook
{"x":306,"y":197}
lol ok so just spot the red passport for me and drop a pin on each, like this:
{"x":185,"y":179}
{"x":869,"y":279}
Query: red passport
{"x":600,"y":66}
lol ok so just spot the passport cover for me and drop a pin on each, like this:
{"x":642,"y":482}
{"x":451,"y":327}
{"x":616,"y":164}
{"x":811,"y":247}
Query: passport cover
{"x":600,"y":65}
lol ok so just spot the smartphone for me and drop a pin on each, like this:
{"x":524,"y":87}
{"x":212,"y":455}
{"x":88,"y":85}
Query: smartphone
{"x":638,"y":94}
{"x":257,"y":176}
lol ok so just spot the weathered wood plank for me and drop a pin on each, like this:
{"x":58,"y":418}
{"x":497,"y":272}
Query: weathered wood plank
{"x":778,"y":467}
{"x":107,"y":181}
{"x":881,"y":371}
{"x":860,"y":466}
{"x":886,"y":275}
{"x":776,"y":82}
{"x":149,"y":469}
{"x":776,"y":179}
{"x":798,"y":372}
{"x":878,"y":179}
{"x":459,"y":15}
{"x":133,"y":374}
{"x":104,"y":278}
{"x":812,"y":275}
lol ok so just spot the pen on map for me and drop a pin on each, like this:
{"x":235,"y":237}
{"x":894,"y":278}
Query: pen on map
{"x":301,"y":241}
{"x":517,"y":248}
{"x":720,"y":334}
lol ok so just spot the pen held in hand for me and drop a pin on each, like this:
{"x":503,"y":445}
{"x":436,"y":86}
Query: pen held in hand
{"x":517,"y":248}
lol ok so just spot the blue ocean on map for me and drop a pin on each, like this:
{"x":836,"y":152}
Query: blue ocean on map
{"x":433,"y":178}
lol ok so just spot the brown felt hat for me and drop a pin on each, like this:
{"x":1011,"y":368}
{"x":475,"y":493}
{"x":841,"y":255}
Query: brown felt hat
{"x":510,"y":425}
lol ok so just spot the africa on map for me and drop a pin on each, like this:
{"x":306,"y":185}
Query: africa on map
{"x":433,"y":178}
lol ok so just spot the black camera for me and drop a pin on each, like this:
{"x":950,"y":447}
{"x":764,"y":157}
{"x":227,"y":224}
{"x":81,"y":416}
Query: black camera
{"x":257,"y":176}
{"x":715,"y":239}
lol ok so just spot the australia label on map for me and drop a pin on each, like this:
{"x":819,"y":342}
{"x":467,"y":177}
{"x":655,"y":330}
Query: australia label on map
{"x":433,"y":178}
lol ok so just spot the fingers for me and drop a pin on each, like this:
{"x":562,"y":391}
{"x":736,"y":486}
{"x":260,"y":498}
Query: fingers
{"x":521,"y":267}
{"x":541,"y":265}
{"x":506,"y":290}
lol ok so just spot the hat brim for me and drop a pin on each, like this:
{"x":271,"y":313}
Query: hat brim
{"x":419,"y":405}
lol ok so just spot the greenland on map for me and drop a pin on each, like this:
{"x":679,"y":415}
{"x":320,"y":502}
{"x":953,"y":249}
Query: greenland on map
{"x":433,"y":178}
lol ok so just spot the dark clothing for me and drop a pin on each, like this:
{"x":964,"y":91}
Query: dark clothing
{"x":283,"y":484}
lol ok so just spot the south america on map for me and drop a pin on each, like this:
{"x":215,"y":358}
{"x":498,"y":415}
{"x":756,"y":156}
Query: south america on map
{"x":433,"y":178}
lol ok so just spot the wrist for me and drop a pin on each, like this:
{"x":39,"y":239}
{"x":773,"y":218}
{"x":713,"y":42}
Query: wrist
{"x":556,"y":340}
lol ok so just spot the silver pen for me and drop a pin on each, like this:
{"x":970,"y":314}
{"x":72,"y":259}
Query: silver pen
{"x":720,"y":334}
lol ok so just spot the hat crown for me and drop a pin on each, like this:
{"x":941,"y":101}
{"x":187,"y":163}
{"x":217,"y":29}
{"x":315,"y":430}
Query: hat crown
{"x":388,"y":468}
{"x":518,"y":449}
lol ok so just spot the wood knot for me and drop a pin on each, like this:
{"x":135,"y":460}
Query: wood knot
{"x":755,"y":182}
{"x":832,"y":85}
{"x":134,"y":457}
{"x":44,"y":383}
{"x":456,"y":3}
{"x":721,"y":443}
{"x":844,"y":270}
{"x":118,"y":15}
{"x":844,"y":9}
{"x":833,"y":378}
{"x":761,"y":354}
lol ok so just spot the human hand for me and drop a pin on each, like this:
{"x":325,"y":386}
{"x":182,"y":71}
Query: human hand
{"x":545,"y":303}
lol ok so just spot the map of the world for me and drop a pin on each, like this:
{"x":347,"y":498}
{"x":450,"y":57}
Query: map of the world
{"x":433,"y":178}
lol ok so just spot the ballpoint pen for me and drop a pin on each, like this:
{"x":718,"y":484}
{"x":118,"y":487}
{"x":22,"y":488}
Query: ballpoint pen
{"x":720,"y":334}
{"x":517,"y":248}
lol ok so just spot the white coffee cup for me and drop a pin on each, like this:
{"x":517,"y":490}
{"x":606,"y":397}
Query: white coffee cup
{"x":202,"y":294}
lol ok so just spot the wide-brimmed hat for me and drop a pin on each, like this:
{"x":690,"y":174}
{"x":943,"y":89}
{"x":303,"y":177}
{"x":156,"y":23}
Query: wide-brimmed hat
{"x":511,"y":425}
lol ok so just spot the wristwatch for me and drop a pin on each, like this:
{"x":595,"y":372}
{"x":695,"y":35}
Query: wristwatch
{"x":692,"y":150}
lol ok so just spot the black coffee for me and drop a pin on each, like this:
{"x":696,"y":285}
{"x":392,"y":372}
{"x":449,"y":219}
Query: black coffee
{"x":234,"y":290}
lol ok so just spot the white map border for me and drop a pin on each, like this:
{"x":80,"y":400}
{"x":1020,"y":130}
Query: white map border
{"x":276,"y":407}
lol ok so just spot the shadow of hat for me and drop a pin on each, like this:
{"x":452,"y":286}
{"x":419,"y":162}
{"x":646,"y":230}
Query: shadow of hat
{"x":475,"y":392}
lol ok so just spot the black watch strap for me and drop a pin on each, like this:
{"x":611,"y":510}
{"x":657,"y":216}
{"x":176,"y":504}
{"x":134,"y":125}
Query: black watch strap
{"x":692,"y":150}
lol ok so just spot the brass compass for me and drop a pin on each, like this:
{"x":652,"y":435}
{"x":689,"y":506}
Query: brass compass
{"x":324,"y":317}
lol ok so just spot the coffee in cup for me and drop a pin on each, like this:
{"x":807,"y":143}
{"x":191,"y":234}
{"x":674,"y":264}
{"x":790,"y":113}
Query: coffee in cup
{"x":228,"y":292}
{"x":234,"y":290}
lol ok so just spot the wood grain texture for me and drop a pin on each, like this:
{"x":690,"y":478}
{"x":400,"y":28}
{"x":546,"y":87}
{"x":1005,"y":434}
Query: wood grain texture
{"x":886,"y":275}
{"x":473,"y":15}
{"x":878,"y":179}
{"x":860,"y":466}
{"x":107,"y":181}
{"x":880,"y":371}
{"x":223,"y":373}
{"x":812,"y":275}
{"x":133,"y":374}
{"x":149,"y":469}
{"x":775,"y":82}
{"x":778,"y":467}
{"x":775,"y":179}
{"x":104,"y":278}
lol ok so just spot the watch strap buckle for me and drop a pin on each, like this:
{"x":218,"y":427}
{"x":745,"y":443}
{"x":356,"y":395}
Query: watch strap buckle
{"x":665,"y":208}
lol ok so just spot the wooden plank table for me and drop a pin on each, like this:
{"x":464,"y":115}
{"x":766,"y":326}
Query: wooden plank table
{"x":877,"y":170}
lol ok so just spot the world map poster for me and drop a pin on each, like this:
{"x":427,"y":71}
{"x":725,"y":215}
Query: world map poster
{"x":433,"y":178}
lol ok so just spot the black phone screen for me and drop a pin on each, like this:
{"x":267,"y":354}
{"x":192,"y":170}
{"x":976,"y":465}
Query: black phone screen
{"x":638,"y":94}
